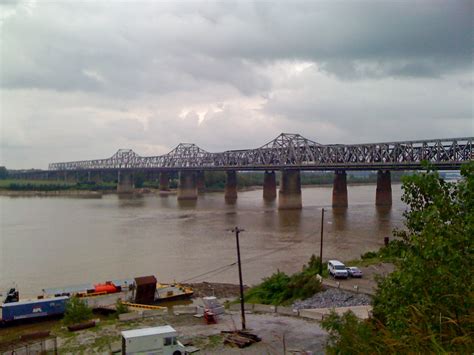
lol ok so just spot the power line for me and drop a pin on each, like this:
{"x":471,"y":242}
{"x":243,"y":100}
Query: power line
{"x":211,"y":271}
{"x":225,"y":268}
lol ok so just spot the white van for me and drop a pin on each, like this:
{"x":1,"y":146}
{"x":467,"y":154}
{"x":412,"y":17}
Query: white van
{"x":156,"y":340}
{"x":337,"y":269}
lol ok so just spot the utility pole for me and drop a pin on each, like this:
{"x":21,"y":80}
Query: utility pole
{"x":242,"y":309}
{"x":321,"y":246}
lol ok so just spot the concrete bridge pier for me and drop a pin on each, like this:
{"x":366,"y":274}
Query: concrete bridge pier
{"x":200,"y":181}
{"x":164,"y":181}
{"x":269,"y":185}
{"x":383,"y":194}
{"x":187,"y":187}
{"x":231,"y":185}
{"x":289,"y":196}
{"x":125,"y":182}
{"x":339,"y":189}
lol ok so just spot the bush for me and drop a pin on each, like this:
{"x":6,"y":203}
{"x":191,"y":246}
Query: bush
{"x":120,"y":308}
{"x":77,"y":311}
{"x":394,"y":250}
{"x":273,"y":290}
{"x":369,"y":255}
{"x":281,"y":289}
{"x":349,"y":335}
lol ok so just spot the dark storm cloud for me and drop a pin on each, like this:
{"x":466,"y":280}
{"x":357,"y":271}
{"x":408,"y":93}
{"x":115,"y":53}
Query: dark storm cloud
{"x":154,"y":47}
{"x":92,"y":77}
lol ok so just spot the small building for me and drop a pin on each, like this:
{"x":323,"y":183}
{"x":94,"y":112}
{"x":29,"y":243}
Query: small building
{"x":156,"y":340}
{"x":146,"y":287}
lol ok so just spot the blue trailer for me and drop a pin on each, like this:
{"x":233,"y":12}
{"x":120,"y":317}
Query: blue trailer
{"x":26,"y":309}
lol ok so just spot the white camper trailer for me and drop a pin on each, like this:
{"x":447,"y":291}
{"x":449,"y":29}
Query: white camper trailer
{"x":157,"y":340}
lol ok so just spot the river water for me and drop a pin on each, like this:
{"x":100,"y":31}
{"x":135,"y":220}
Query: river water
{"x":60,"y":241}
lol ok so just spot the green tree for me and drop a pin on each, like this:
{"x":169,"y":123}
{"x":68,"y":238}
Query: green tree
{"x":77,"y":311}
{"x":215,"y":179}
{"x":120,"y":307}
{"x":426,"y":305}
{"x":139,"y":179}
{"x":3,"y":173}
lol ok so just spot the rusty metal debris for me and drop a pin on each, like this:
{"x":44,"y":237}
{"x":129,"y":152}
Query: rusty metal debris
{"x":240,"y":338}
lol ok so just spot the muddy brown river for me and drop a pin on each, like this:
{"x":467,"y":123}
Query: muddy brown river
{"x":60,"y":241}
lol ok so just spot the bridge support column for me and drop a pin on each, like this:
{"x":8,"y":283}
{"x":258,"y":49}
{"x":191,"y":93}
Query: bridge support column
{"x":125,"y":182}
{"x":289,"y":196}
{"x":164,"y":181}
{"x":187,"y":187}
{"x":200,"y":181}
{"x":269,"y":185}
{"x":383,"y":194}
{"x":231,"y":186}
{"x":339,"y":189}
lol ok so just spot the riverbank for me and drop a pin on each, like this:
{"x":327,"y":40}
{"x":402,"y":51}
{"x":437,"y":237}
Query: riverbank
{"x":298,"y":330}
{"x":105,"y":337}
{"x":71,"y":192}
{"x":58,"y":193}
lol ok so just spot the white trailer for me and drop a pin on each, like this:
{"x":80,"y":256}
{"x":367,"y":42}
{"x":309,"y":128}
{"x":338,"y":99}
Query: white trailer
{"x":157,"y":340}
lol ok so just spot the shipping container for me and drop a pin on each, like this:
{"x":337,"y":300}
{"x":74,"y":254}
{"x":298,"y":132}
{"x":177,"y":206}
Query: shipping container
{"x":33,"y":308}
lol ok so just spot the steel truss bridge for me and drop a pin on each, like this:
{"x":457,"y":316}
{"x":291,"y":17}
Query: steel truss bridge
{"x":292,"y":151}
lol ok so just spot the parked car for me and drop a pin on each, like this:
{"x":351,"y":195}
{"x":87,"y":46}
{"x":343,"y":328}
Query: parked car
{"x":337,"y":269}
{"x":354,"y":271}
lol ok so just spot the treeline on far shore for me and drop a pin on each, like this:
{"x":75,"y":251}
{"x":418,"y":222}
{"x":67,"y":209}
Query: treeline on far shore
{"x":214,"y":180}
{"x":44,"y":185}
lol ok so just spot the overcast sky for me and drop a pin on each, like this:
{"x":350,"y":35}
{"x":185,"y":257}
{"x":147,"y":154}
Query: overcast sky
{"x":79,"y":80}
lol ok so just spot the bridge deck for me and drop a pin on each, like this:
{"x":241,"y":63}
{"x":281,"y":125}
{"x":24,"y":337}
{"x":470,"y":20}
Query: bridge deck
{"x":292,"y":151}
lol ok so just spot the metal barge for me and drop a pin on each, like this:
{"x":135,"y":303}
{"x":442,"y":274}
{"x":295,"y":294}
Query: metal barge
{"x":140,"y":290}
{"x":13,"y":309}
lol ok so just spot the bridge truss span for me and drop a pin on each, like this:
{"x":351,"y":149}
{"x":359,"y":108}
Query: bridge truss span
{"x":292,"y":151}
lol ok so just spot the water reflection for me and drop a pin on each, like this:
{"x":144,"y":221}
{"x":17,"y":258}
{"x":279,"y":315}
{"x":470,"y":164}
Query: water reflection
{"x":383,"y":219}
{"x":268,"y":220}
{"x":187,"y":204}
{"x":339,"y":218}
{"x":131,"y":200}
{"x":289,"y":219}
{"x":166,"y":201}
{"x":269,"y":203}
{"x":230,"y":218}
{"x":230,"y":201}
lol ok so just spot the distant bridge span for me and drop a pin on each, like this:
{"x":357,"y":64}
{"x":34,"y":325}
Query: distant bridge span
{"x":292,"y":151}
{"x":288,"y":153}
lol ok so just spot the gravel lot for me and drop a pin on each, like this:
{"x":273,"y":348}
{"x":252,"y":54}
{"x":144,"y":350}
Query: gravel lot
{"x":299,"y":336}
{"x":333,"y":297}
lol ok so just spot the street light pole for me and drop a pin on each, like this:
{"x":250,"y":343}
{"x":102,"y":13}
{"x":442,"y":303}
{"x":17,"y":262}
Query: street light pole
{"x":242,"y":309}
{"x":321,"y":246}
